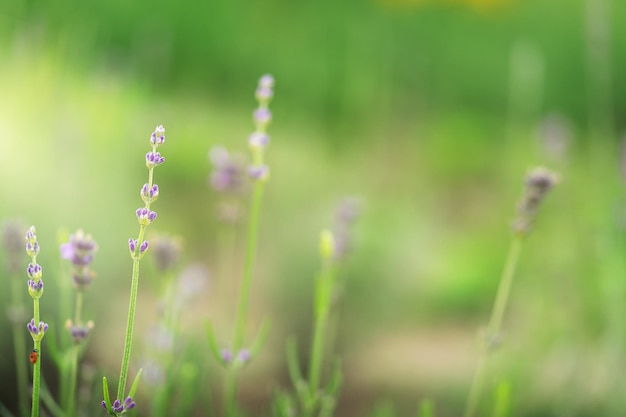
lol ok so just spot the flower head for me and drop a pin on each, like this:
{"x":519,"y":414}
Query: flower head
{"x":157,"y":137}
{"x":80,"y":249}
{"x":538,"y":182}
{"x":37,"y":331}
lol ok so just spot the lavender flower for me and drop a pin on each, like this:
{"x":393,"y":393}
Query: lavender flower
{"x":166,"y":252}
{"x":35,"y":288}
{"x":346,"y":214}
{"x":145,"y":216}
{"x":79,"y":332}
{"x":157,"y":138}
{"x":259,"y":172}
{"x":149,"y":194}
{"x":119,"y":407}
{"x":37,"y":331}
{"x":154,"y":159}
{"x":227,"y":174}
{"x":538,"y":182}
{"x":259,"y":140}
{"x":80,"y":250}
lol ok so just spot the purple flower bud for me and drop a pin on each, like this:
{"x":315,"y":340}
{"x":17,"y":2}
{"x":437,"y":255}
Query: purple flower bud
{"x":79,"y":333}
{"x":262,"y":116}
{"x":80,"y":249}
{"x":144,"y":247}
{"x":227,"y":356}
{"x":153,"y":159}
{"x":132,"y":244}
{"x":258,"y":140}
{"x":149,"y":194}
{"x":31,"y":235}
{"x":145,"y":216}
{"x":34,"y":271}
{"x":104,"y":405}
{"x":35,"y":286}
{"x":259,"y":172}
{"x":37,"y":331}
{"x":117,"y":407}
{"x":266,"y":81}
{"x":32,"y":249}
{"x":158,"y":136}
{"x":129,"y":404}
{"x":243,"y":356}
{"x":263,"y":94}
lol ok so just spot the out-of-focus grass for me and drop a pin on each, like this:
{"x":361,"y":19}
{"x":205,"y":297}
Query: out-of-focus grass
{"x":438,"y":196}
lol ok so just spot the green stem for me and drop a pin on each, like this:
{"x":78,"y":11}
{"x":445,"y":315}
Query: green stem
{"x":71,"y":395}
{"x":20,"y":347}
{"x":495,"y":324}
{"x":121,"y":388}
{"x":244,"y":295}
{"x":230,"y":392}
{"x":37,"y":366}
{"x":323,"y":292}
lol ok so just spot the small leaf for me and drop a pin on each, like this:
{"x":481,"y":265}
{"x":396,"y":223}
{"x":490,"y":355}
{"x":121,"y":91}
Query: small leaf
{"x":133,"y":387}
{"x":215,"y":350}
{"x":105,"y":394}
{"x":260,"y":338}
{"x":426,"y":408}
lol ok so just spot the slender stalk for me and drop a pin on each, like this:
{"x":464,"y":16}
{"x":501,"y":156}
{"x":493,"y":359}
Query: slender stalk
{"x":495,"y":323}
{"x":230,"y":391}
{"x":244,"y":294}
{"x":37,"y":365}
{"x":71,"y":400}
{"x":121,"y":387}
{"x":323,"y":294}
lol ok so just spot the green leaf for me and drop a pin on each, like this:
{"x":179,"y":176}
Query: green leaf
{"x":133,"y":387}
{"x":215,"y":350}
{"x":426,"y":408}
{"x":260,"y":338}
{"x":105,"y":394}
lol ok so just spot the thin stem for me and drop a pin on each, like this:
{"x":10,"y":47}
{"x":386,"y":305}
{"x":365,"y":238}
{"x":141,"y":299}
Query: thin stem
{"x":244,"y":295}
{"x":230,"y":392}
{"x":71,"y":395}
{"x":121,"y":388}
{"x":504,"y":289}
{"x":37,"y":366}
{"x":323,"y":292}
{"x":495,"y":324}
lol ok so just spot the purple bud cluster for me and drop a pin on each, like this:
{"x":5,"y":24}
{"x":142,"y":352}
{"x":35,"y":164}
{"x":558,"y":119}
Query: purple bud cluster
{"x":119,"y":408}
{"x":78,"y":332}
{"x":37,"y":331}
{"x":35,"y":288}
{"x":80,"y":250}
{"x":539,"y":182}
{"x":259,"y":140}
{"x":345,"y":215}
{"x":242,"y":357}
{"x":166,"y":252}
{"x":227,"y":174}
{"x":149,"y":194}
{"x":132,"y":245}
{"x":145,"y":216}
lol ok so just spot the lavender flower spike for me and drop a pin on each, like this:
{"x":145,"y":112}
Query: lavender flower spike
{"x":37,"y":331}
{"x":145,"y":216}
{"x":158,"y":136}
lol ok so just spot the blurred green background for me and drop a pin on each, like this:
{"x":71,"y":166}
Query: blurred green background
{"x":429,"y":112}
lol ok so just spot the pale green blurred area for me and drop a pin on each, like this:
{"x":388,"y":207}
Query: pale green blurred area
{"x":438,"y":169}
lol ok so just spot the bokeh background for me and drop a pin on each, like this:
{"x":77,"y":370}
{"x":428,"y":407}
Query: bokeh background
{"x":429,"y":113}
